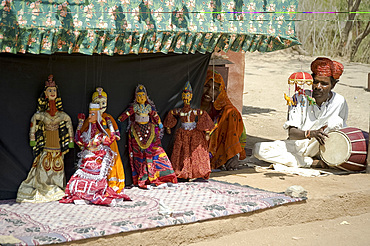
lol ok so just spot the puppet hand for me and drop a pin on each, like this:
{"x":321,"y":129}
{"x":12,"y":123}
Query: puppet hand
{"x":160,"y":125}
{"x":207,"y":136}
{"x":118,"y":135}
{"x":81,"y":117}
{"x":71,"y":145}
{"x":32,"y":143}
{"x":168,"y":130}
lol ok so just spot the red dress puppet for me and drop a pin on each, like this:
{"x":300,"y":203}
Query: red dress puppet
{"x":89,"y":182}
{"x":149,"y":162}
{"x":190,"y":157}
{"x":116,"y":176}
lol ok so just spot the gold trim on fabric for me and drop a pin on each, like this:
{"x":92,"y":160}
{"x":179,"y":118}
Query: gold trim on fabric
{"x":141,"y":114}
{"x":51,"y":127}
{"x":150,"y":140}
{"x":52,"y":159}
{"x":46,"y":162}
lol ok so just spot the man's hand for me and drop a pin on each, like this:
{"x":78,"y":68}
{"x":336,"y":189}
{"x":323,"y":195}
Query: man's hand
{"x":320,"y":135}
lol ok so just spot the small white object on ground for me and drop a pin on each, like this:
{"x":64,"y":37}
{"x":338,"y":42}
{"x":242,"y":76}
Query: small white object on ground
{"x":296,"y":191}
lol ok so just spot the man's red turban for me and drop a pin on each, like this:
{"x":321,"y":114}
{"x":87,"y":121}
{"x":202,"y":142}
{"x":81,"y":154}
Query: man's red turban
{"x":325,"y":67}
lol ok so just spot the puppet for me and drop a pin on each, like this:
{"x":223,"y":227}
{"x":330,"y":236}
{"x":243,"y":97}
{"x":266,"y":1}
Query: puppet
{"x":150,"y":164}
{"x":190,"y":157}
{"x":299,"y":79}
{"x":116,"y":176}
{"x":51,"y":136}
{"x":89,"y":183}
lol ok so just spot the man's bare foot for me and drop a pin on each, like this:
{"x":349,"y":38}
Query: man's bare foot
{"x":319,"y":164}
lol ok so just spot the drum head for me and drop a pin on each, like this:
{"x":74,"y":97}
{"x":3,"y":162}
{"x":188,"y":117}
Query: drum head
{"x":337,"y":149}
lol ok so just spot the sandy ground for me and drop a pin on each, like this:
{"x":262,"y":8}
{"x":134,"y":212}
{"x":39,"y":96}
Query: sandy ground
{"x":337,"y":211}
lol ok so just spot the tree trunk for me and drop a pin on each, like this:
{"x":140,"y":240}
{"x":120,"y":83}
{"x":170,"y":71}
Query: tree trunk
{"x":352,"y":7}
{"x":358,"y":41}
{"x":300,"y":50}
{"x":368,"y":152}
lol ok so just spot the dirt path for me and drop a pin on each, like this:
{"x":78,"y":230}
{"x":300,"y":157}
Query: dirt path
{"x":348,"y":230}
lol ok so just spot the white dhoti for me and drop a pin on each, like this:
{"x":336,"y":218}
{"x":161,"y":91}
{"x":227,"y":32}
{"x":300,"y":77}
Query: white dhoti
{"x":292,"y":153}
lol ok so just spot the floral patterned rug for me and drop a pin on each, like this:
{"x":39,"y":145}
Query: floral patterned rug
{"x":53,"y":222}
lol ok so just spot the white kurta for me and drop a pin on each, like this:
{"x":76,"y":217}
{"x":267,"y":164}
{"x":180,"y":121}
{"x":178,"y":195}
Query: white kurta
{"x":297,"y":153}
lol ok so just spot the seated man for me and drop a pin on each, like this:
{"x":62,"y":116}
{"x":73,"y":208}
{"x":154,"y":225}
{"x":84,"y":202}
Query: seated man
{"x":307,"y":123}
{"x":228,"y":138}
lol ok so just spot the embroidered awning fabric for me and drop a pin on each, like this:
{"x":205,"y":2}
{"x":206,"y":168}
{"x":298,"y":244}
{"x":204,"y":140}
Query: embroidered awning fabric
{"x":132,"y":26}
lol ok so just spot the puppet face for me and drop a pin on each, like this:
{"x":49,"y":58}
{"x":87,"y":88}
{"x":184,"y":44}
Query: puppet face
{"x":51,"y":93}
{"x":209,"y":93}
{"x":93,"y":116}
{"x":321,"y":88}
{"x":140,"y":97}
{"x":102,"y":101}
{"x":186,"y":97}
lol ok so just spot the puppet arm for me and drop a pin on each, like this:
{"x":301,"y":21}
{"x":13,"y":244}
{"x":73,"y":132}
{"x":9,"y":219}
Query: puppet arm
{"x":78,"y":140}
{"x":126,"y":114}
{"x":111,"y":128}
{"x":109,"y":140}
{"x":34,"y":119}
{"x":170,"y":120}
{"x":114,"y":125}
{"x":156,"y":119}
{"x":70,"y":130}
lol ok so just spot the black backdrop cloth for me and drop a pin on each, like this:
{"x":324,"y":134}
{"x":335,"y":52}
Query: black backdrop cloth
{"x":22,"y":79}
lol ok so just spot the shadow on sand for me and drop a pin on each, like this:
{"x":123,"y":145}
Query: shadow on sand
{"x":256,"y":110}
{"x":352,"y":86}
{"x":251,"y":140}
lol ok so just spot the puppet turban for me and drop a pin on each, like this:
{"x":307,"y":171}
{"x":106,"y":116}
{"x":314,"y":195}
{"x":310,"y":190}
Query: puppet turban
{"x":325,"y":67}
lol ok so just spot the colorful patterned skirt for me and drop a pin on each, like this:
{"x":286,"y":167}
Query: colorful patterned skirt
{"x":149,"y":162}
{"x":190,"y":158}
{"x":89,"y":182}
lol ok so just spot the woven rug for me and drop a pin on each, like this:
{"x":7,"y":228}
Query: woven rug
{"x":53,"y":222}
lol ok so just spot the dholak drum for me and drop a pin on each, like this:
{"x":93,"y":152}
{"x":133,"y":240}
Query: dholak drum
{"x":345,"y":149}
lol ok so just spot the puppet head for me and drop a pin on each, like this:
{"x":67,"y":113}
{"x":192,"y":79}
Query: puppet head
{"x":50,"y":95}
{"x":140,"y":94}
{"x":94,"y":112}
{"x":187,"y":93}
{"x":50,"y":89}
{"x":100,"y":97}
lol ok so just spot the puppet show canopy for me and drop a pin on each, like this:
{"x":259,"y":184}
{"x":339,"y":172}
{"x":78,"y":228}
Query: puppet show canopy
{"x":133,"y":26}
